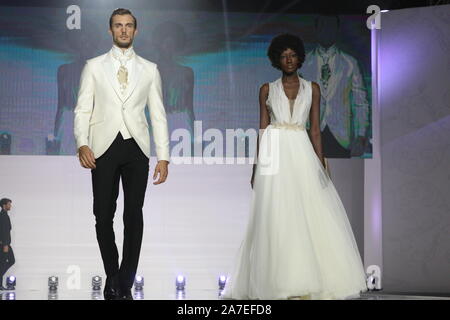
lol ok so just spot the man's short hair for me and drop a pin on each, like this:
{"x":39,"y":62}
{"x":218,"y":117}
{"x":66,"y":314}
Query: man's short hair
{"x":4,"y":201}
{"x":121,"y":12}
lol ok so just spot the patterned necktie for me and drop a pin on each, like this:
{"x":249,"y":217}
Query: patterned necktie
{"x":325,"y":73}
{"x":122,"y":75}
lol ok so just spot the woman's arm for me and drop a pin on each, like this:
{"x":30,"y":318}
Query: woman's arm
{"x":314,"y":118}
{"x":264,"y":119}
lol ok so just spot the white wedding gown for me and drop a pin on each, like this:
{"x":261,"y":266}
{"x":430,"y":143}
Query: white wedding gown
{"x":298,"y":241}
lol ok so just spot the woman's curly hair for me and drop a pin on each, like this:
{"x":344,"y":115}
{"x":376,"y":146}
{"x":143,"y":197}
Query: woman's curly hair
{"x":282,"y":42}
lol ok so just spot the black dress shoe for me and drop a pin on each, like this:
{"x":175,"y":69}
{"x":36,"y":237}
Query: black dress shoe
{"x":2,"y":288}
{"x":125,"y":294}
{"x":111,"y":291}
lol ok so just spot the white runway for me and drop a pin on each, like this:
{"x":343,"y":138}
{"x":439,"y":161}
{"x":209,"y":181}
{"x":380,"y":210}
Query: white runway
{"x":191,"y":228}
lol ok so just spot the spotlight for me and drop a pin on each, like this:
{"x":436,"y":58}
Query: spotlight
{"x":370,"y":282}
{"x":180,"y":282}
{"x":138,"y":283}
{"x":53,"y":283}
{"x":11,"y":283}
{"x":96,"y":283}
{"x":222,"y":281}
{"x":373,"y":278}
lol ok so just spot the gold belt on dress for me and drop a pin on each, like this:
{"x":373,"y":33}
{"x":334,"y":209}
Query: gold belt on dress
{"x":289,"y":126}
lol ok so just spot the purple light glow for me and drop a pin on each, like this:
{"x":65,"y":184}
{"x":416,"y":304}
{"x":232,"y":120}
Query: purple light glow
{"x":401,"y":60}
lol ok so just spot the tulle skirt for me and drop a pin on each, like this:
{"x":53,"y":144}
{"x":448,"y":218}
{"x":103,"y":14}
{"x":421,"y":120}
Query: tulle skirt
{"x":298,"y":241}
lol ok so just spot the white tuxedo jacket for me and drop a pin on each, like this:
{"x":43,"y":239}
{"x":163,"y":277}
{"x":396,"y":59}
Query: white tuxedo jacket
{"x":100,"y":106}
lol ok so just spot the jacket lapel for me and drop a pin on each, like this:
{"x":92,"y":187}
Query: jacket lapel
{"x":109,"y":71}
{"x":137,"y":71}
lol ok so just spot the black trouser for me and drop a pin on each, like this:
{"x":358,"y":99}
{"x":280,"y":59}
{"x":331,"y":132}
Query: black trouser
{"x":331,"y":147}
{"x":123,"y":159}
{"x":7,"y":259}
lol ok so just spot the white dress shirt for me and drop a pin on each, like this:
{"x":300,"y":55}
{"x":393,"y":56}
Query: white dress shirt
{"x":127,"y":59}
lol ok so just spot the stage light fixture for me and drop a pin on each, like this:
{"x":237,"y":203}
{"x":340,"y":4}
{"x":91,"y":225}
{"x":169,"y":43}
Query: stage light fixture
{"x":222,"y":282}
{"x":138,"y":283}
{"x":96,"y":283}
{"x":371,"y":281}
{"x":11,"y":283}
{"x":180,"y":282}
{"x":53,"y":283}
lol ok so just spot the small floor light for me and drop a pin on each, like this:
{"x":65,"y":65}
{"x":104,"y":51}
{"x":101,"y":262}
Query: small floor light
{"x":222,"y":282}
{"x":180,"y":282}
{"x":138,"y":283}
{"x":370,"y":281}
{"x":11,"y":283}
{"x":96,"y":283}
{"x":53,"y":283}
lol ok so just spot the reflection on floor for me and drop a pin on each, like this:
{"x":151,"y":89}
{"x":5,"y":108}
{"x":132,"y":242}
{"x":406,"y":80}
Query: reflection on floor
{"x":176,"y":295}
{"x":380,"y":295}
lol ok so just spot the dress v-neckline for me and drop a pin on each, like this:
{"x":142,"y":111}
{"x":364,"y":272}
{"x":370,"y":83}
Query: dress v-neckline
{"x":291,"y":115}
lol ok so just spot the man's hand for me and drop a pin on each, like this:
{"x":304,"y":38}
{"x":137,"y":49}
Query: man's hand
{"x":86,"y":157}
{"x":5,"y":249}
{"x":162,"y":169}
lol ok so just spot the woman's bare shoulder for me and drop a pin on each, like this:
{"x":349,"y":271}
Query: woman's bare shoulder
{"x":264,"y":89}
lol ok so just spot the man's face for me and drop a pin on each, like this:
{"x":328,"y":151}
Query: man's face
{"x":327,"y":31}
{"x":7,"y":206}
{"x":123,"y":30}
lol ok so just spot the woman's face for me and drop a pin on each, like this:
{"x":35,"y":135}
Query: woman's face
{"x":289,"y":61}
